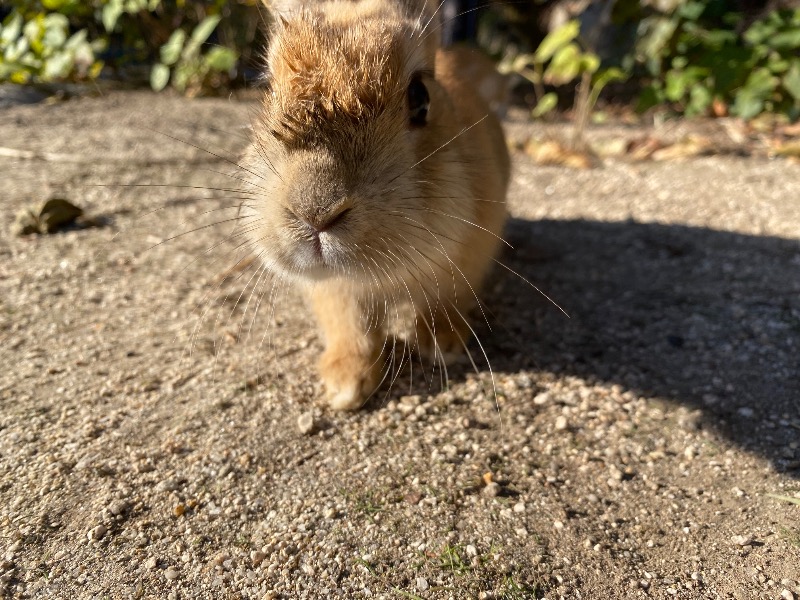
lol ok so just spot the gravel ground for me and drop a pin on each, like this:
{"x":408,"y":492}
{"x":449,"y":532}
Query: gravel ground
{"x":161,"y":433}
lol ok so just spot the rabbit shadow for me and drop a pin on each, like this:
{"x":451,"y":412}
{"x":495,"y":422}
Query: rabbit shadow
{"x":704,"y":318}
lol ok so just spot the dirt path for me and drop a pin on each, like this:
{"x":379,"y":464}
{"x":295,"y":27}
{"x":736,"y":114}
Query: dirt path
{"x":149,"y":445}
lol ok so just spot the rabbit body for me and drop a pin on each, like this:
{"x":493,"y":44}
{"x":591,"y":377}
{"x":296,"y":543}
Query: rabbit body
{"x":378,"y":178}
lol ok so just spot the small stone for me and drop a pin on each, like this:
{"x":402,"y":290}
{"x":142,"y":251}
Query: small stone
{"x":745,"y":411}
{"x":171,"y":574}
{"x":257,"y":556}
{"x":541,"y":399}
{"x":471,"y":550}
{"x":151,"y":563}
{"x":561,"y":423}
{"x":118,"y":507}
{"x":492,"y":489}
{"x":305,"y":423}
{"x":742,"y":540}
{"x":519,"y":507}
{"x":97,"y":533}
{"x":558,"y":525}
{"x":787,"y":594}
{"x":422,"y":584}
{"x":179,"y":509}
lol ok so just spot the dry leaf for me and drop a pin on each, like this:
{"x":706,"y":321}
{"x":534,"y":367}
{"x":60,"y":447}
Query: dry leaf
{"x":686,"y":148}
{"x":551,"y":152}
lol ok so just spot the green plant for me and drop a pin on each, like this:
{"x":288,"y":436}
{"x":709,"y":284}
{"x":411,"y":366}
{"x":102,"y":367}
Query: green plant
{"x":559,"y":60}
{"x":41,"y":48}
{"x":697,"y":57}
{"x":183,"y":62}
{"x":165,"y":42}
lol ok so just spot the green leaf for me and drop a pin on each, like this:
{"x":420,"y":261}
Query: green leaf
{"x":759,"y":32}
{"x":55,"y":32}
{"x":220,"y":59}
{"x":200,"y":34}
{"x":761,"y":81}
{"x":786,"y":40}
{"x":691,"y":10}
{"x":791,"y":80}
{"x":11,"y":29}
{"x":654,"y":35}
{"x":205,"y":28}
{"x":159,"y":77}
{"x":111,"y":14}
{"x":589,"y":62}
{"x":555,"y":40}
{"x":76,"y":40}
{"x":547,"y":103}
{"x":747,"y":104}
{"x":565,"y":66}
{"x":15,"y":51}
{"x":700,"y":99}
{"x":785,"y":498}
{"x":58,"y":66}
{"x":171,"y":51}
{"x":678,"y":82}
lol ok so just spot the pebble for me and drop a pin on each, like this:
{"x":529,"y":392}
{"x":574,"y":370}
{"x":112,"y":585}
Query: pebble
{"x":151,"y":563}
{"x":422,"y":584}
{"x":541,"y":398}
{"x":471,"y":550}
{"x":561,"y":423}
{"x":305,"y":423}
{"x":745,"y":411}
{"x":257,"y":556}
{"x":171,"y":574}
{"x":742,"y":540}
{"x":492,"y":489}
{"x":97,"y":533}
{"x":519,"y":507}
{"x":118,"y":507}
{"x":787,"y":594}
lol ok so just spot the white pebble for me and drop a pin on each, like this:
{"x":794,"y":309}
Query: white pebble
{"x":541,"y":399}
{"x":492,"y":489}
{"x":305,"y":423}
{"x":787,"y":594}
{"x":171,"y":574}
{"x":97,"y":533}
{"x":519,"y":507}
{"x":422,"y":584}
{"x":471,"y":550}
{"x":561,"y":423}
{"x":742,"y":540}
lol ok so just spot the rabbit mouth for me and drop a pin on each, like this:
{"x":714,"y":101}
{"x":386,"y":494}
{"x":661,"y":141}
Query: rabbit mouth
{"x":318,"y":255}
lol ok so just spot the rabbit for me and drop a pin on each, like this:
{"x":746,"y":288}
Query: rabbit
{"x":378,"y":178}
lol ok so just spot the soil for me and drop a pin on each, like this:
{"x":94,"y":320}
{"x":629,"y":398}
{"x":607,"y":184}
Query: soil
{"x":162,"y":433}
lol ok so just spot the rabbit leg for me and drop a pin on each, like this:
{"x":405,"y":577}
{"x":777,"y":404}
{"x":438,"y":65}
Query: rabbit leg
{"x":442,"y":337}
{"x":350,"y":366}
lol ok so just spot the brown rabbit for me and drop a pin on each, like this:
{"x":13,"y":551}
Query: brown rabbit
{"x":379,"y":178}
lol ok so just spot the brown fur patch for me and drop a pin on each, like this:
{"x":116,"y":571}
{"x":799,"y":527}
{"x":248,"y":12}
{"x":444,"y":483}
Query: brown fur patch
{"x":324,"y":72}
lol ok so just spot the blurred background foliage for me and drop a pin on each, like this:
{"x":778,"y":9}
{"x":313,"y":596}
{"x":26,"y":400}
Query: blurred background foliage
{"x":694,"y":57}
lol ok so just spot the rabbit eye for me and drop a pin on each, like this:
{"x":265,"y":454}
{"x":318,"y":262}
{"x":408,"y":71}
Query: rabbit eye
{"x":418,"y":102}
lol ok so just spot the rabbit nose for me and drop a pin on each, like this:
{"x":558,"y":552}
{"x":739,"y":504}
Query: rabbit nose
{"x":324,"y":220}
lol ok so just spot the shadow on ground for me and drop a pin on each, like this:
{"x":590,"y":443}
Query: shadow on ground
{"x":708,"y":319}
